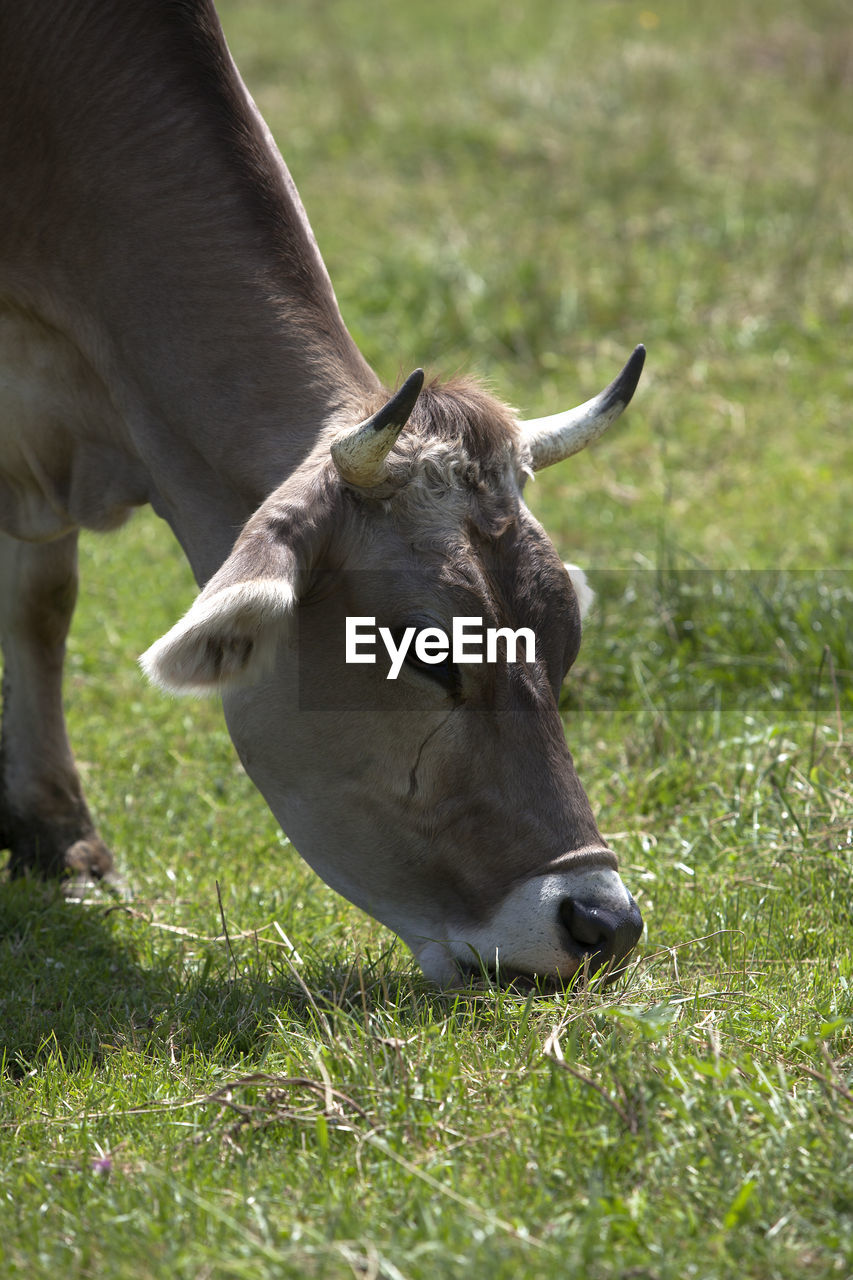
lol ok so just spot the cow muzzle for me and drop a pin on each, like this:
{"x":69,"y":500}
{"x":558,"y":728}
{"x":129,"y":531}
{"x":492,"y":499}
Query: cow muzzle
{"x":573,"y":920}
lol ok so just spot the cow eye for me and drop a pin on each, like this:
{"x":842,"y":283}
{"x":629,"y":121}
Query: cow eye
{"x":444,"y":673}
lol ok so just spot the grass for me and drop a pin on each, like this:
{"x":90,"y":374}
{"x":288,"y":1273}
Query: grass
{"x":524,"y":190}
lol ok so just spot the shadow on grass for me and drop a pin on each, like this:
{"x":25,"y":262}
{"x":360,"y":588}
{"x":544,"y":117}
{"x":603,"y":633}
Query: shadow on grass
{"x":79,"y":978}
{"x":83,"y":979}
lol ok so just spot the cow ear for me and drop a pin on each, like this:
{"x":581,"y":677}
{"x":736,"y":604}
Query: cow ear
{"x":227,"y":639}
{"x":583,"y":590}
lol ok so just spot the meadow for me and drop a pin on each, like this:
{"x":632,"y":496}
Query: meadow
{"x":233,"y":1073}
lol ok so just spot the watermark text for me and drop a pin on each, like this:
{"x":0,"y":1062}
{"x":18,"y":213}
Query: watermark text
{"x":433,"y":645}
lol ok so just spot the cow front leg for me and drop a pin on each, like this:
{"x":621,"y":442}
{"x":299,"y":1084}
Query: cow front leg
{"x":44,"y":819}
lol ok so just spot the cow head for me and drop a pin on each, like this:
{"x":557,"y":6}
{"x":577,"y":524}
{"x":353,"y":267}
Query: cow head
{"x":445,"y":801}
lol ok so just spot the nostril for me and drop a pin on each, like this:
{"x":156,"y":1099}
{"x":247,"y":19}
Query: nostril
{"x":587,"y":925}
{"x":601,"y":931}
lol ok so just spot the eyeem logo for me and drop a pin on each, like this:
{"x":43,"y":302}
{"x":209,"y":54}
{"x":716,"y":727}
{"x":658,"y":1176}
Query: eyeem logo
{"x":433,"y":645}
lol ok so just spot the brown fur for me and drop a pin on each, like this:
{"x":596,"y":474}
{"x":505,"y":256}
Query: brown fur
{"x":107,"y":93}
{"x":461,"y":411}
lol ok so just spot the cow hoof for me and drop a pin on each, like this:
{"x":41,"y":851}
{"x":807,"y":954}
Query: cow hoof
{"x":83,"y":865}
{"x":89,"y":871}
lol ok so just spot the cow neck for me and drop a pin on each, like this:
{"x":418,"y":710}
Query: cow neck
{"x":211,"y":470}
{"x":159,"y":230}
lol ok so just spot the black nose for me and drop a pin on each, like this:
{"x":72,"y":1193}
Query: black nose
{"x":601,"y":935}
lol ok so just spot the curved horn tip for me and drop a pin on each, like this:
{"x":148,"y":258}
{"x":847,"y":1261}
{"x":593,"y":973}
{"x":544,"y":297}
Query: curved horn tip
{"x":360,"y":454}
{"x":624,"y":385}
{"x":396,"y":412}
{"x":412,"y":387}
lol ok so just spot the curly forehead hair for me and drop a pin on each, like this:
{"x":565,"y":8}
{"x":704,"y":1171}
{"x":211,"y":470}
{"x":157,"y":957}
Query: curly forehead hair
{"x":462,"y":412}
{"x":460,"y":460}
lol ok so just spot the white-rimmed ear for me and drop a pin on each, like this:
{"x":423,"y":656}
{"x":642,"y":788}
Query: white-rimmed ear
{"x":583,"y":591}
{"x":226,"y":639}
{"x":230,"y":635}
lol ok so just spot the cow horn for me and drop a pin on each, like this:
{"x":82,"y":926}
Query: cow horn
{"x":360,"y":454}
{"x":559,"y":436}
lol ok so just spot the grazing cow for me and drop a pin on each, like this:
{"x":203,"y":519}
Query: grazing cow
{"x":169,"y":335}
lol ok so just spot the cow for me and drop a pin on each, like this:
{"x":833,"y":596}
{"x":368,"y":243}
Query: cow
{"x":169,"y":336}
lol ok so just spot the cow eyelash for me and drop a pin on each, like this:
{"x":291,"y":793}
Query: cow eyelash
{"x":445,"y":673}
